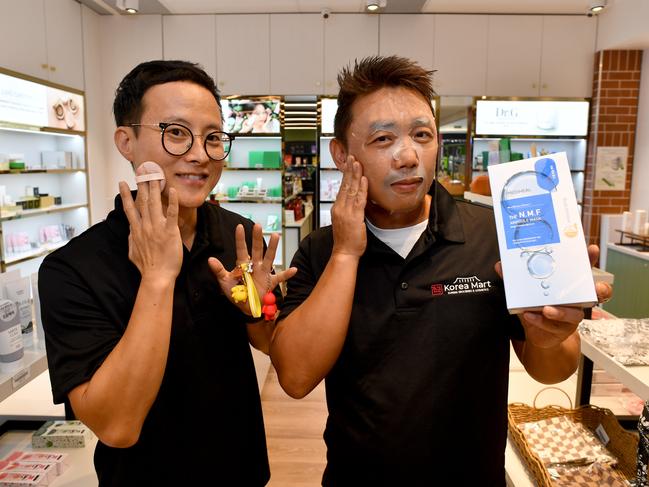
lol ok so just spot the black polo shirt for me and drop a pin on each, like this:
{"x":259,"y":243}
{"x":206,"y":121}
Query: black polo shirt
{"x":418,"y":396}
{"x":206,"y":421}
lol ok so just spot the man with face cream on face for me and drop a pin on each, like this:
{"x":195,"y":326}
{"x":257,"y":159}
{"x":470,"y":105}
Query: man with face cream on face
{"x":416,"y":372}
{"x":144,"y":335}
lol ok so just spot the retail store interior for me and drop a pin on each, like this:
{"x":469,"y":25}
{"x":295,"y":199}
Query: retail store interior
{"x":514,"y":79}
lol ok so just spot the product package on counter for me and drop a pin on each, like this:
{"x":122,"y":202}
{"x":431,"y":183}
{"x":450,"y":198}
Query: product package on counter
{"x":47,"y":470}
{"x":20,"y":479}
{"x":59,"y":460}
{"x":62,"y":434}
{"x":541,"y":240}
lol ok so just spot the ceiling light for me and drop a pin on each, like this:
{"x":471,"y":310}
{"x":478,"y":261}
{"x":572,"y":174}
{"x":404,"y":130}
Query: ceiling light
{"x":596,"y":6}
{"x":129,"y":6}
{"x":374,"y":5}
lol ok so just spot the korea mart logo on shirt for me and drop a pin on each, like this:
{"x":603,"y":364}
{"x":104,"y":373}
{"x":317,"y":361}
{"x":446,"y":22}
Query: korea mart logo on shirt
{"x":461,"y":285}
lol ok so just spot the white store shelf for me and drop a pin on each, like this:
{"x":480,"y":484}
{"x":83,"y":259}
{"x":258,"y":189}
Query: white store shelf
{"x":43,"y":211}
{"x":32,"y":402}
{"x":516,"y":472}
{"x":634,"y":377}
{"x":34,"y":363}
{"x":16,"y":257}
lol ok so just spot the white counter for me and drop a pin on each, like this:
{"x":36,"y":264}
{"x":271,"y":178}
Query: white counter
{"x":625,"y":249}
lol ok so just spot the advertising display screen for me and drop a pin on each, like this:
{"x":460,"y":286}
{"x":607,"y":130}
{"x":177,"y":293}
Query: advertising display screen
{"x":26,"y":102}
{"x":532,"y":118}
{"x":251,"y":116}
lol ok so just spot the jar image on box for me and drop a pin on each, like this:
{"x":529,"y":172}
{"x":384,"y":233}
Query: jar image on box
{"x":11,"y":339}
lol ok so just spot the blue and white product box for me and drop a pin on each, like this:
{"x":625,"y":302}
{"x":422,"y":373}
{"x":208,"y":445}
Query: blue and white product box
{"x":541,"y":240}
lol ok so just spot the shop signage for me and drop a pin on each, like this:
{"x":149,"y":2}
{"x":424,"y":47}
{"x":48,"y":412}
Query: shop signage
{"x":532,"y":118}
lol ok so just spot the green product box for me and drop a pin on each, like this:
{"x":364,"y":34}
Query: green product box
{"x":62,"y":434}
{"x":265,"y":159}
{"x":16,"y":165}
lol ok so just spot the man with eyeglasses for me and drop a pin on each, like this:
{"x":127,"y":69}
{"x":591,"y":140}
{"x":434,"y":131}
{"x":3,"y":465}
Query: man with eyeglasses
{"x":144,"y":338}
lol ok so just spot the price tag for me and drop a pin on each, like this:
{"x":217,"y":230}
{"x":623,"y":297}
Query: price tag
{"x":20,"y":379}
{"x":601,"y":434}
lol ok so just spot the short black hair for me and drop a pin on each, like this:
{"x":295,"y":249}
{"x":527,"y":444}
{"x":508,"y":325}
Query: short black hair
{"x":370,"y":74}
{"x":127,"y":106}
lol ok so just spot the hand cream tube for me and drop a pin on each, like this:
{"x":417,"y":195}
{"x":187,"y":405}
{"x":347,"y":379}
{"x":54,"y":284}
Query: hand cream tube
{"x":18,"y":291}
{"x":38,"y":321}
{"x":11,"y":340}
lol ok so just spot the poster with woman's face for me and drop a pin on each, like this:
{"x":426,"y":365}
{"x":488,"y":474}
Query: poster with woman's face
{"x":260,"y":116}
{"x":64,"y":110}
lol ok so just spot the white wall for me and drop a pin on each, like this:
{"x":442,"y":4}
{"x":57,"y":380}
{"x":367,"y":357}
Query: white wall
{"x":96,"y":129}
{"x":125,"y":42}
{"x":640,"y":183}
{"x":623,"y":25}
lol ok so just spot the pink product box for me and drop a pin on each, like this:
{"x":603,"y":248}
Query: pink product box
{"x":60,"y":460}
{"x":47,"y":470}
{"x":20,"y":479}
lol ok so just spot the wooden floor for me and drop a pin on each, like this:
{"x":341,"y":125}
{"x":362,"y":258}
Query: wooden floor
{"x":294,"y":429}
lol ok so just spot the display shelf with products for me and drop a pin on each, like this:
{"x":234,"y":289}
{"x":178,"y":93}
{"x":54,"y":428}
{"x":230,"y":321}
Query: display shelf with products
{"x":329,"y":177}
{"x":329,"y":182}
{"x":251,"y":181}
{"x":452,"y":116}
{"x":512,"y":129}
{"x":300,"y":160}
{"x":300,"y":166}
{"x":43,"y":169}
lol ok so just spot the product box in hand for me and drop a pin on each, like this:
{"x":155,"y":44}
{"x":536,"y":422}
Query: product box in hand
{"x":542,"y":246}
{"x":62,"y":434}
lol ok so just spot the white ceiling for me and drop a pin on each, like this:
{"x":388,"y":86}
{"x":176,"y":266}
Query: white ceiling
{"x":348,"y":6}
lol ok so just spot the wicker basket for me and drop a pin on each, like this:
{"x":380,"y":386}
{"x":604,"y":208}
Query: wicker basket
{"x":623,"y":444}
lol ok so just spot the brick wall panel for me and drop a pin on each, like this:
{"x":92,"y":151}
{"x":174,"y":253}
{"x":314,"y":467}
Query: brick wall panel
{"x":613,"y":120}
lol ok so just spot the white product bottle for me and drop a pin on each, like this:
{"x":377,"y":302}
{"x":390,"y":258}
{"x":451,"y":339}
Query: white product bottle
{"x":11,"y":340}
{"x":627,"y":221}
{"x":40,"y":333}
{"x":640,"y":218}
{"x":18,"y":291}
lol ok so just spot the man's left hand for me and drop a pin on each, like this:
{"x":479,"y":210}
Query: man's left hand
{"x":552,"y":325}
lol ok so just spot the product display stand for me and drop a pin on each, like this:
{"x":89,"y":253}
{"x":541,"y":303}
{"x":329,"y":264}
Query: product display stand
{"x":43,"y":170}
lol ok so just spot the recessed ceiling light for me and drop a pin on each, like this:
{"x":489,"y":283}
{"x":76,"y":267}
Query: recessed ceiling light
{"x":374,"y":5}
{"x":129,"y":6}
{"x":596,"y":6}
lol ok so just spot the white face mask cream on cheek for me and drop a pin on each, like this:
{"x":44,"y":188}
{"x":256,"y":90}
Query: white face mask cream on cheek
{"x":405,"y":144}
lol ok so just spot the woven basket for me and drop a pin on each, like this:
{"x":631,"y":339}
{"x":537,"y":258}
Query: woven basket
{"x":623,"y":444}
